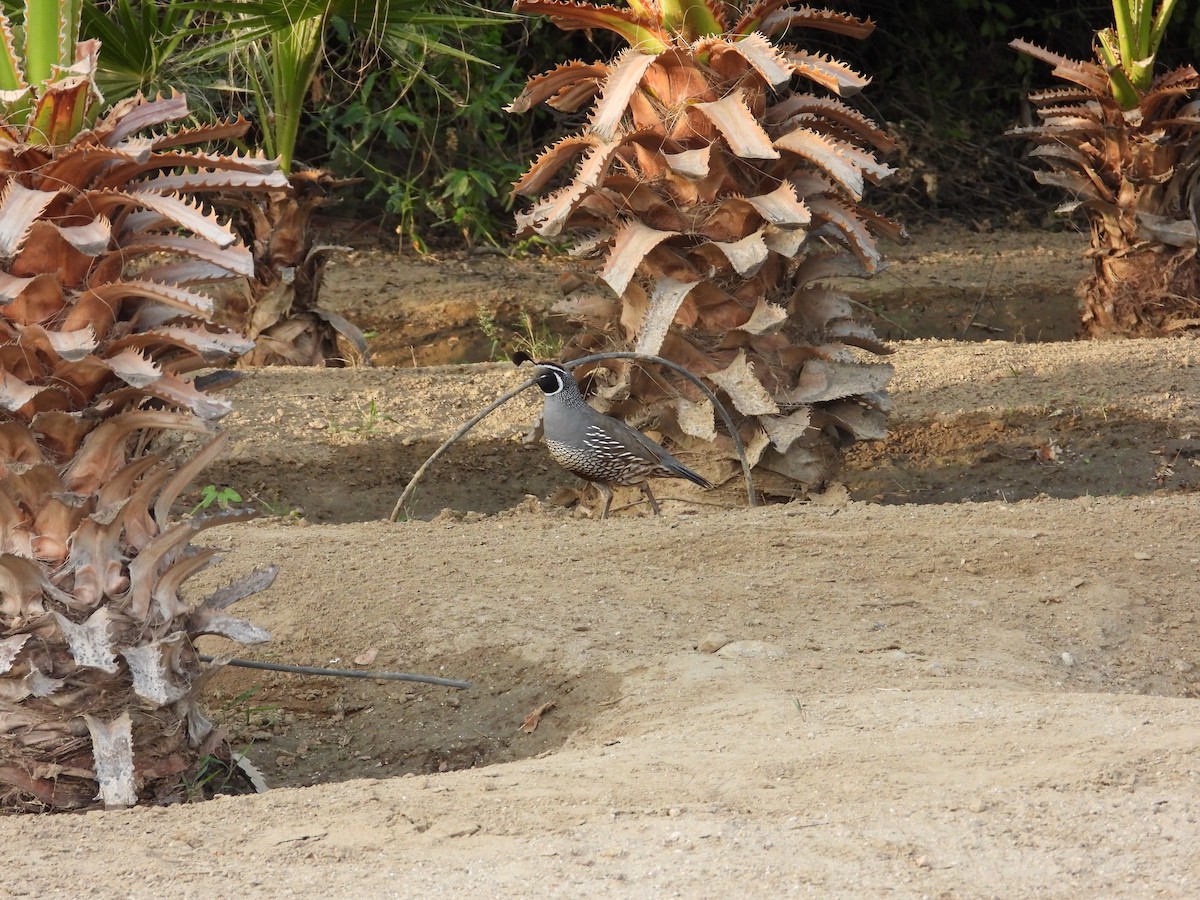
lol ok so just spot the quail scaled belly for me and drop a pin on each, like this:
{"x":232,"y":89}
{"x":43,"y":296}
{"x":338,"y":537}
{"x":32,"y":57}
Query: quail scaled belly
{"x":599,"y":449}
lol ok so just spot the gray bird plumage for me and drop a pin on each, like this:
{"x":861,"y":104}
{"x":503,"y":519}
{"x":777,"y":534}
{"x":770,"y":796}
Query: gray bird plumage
{"x":599,"y":449}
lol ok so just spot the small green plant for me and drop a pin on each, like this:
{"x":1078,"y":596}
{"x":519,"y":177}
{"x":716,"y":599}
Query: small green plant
{"x":486,"y":319}
{"x":211,"y":776}
{"x":279,"y":509}
{"x":246,"y":722}
{"x":216,"y":775}
{"x":246,"y":715}
{"x":535,"y":245}
{"x":535,"y":337}
{"x":467,"y":202}
{"x":369,"y":419}
{"x":223,"y":498}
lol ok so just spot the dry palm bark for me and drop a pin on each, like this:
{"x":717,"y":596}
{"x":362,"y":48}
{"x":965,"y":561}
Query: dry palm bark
{"x":105,"y":245}
{"x":1133,"y":172}
{"x":278,"y":307}
{"x":712,"y":192}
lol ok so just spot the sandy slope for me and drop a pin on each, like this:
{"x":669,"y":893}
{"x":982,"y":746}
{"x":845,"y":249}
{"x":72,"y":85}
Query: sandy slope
{"x":838,"y":699}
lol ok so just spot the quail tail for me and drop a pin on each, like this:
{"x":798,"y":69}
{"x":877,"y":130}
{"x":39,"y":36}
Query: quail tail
{"x":682,"y":471}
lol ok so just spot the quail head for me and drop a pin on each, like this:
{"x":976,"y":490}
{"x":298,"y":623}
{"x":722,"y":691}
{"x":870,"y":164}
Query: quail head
{"x":600,"y":449}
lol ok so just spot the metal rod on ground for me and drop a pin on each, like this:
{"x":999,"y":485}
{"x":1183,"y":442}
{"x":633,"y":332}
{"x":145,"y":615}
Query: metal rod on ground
{"x":341,"y":673}
{"x":467,"y":426}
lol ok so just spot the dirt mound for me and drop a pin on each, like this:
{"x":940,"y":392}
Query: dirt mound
{"x":969,"y":670}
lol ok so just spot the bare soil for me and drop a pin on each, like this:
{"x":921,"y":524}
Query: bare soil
{"x":970,"y":669}
{"x":943,"y":283}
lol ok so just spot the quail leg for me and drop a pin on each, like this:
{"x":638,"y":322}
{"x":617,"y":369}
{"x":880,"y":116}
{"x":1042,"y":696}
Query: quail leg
{"x":607,"y":494}
{"x":645,"y":486}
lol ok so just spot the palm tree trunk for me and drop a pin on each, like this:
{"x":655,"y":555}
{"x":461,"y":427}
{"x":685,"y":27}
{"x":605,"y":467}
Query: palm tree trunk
{"x":1149,"y":290}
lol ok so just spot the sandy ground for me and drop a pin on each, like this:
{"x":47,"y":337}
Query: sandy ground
{"x":969,"y":670}
{"x":943,"y":283}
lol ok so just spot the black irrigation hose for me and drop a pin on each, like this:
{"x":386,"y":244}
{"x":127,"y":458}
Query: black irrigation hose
{"x":340,"y":673}
{"x":406,"y":495}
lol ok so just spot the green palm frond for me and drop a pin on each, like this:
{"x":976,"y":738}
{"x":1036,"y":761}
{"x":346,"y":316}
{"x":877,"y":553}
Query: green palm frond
{"x":284,"y":44}
{"x":1129,"y":48}
{"x":147,"y":47}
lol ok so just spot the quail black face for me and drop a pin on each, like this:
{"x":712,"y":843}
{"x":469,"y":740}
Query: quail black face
{"x":550,"y":381}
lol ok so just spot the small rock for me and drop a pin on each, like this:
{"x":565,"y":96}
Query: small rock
{"x":835,"y":494}
{"x":366,"y":657}
{"x":936,"y":669}
{"x":977,"y":805}
{"x":746,"y":649}
{"x":1142,"y":555}
{"x":1067,"y":659}
{"x":897,"y":655}
{"x":713,"y":642}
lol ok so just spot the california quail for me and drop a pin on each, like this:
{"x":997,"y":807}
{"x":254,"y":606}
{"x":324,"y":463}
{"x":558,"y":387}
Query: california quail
{"x":599,"y":449}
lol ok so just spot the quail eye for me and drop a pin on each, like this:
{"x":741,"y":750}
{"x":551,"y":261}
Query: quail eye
{"x":549,"y":382}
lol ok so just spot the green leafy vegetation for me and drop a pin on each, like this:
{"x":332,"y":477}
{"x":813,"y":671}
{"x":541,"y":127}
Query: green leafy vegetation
{"x":435,"y":152}
{"x":222,"y":498}
{"x":399,"y":103}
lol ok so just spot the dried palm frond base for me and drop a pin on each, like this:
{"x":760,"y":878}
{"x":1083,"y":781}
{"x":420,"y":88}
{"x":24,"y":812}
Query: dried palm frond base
{"x":68,"y":779}
{"x":1145,"y":292}
{"x":108,"y":237}
{"x":99,"y":675}
{"x":278,"y":308}
{"x":714,"y":188}
{"x":1133,"y":169}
